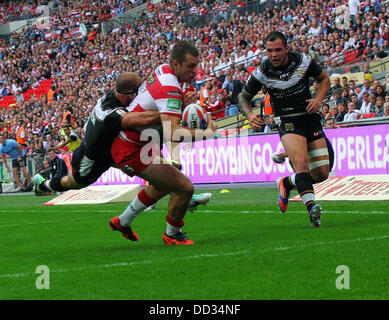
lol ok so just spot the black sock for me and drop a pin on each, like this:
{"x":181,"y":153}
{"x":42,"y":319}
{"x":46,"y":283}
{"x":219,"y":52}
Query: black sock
{"x":305,"y":189}
{"x":43,"y":187}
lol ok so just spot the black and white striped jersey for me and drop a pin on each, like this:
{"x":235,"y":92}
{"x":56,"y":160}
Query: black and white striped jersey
{"x":103,"y":125}
{"x":288,"y":85}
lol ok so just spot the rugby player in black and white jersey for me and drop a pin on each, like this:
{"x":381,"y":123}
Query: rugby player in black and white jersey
{"x":286,"y":75}
{"x":92,"y":158}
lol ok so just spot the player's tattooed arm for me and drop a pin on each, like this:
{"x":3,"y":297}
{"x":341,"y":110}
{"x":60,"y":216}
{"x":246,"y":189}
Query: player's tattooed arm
{"x":244,"y":102}
{"x":255,"y":120}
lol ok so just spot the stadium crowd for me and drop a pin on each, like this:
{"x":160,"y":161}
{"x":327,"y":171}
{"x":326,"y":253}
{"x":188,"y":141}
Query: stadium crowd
{"x":52,"y":73}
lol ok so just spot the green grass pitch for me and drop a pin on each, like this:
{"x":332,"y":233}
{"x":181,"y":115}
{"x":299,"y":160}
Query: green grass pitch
{"x":245,"y":249}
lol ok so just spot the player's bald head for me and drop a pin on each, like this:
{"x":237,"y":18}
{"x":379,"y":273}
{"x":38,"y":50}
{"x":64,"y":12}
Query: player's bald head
{"x":127,"y":83}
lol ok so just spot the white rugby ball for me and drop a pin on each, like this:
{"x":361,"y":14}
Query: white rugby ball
{"x":194,"y":117}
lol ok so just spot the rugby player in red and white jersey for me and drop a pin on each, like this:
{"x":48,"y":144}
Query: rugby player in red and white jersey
{"x":134,"y":153}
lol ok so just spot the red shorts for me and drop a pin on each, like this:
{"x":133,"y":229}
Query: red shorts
{"x":130,"y":157}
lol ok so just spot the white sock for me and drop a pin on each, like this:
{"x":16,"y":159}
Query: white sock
{"x":293,"y":179}
{"x":47,"y":185}
{"x":135,"y":207}
{"x":170,"y":230}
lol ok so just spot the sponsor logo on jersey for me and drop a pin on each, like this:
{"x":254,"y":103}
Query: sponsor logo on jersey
{"x":174,"y":93}
{"x":151,"y":79}
{"x":289,"y":126}
{"x":120,"y":112}
{"x":174,"y":104}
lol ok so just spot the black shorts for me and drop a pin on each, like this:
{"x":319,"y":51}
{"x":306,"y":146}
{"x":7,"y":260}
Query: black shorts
{"x":331,"y":153}
{"x":19,"y":163}
{"x":85,"y":171}
{"x":308,"y":126}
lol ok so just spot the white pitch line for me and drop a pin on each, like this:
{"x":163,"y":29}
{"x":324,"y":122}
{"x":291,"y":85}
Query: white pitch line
{"x":24,"y":224}
{"x":199,"y":256}
{"x":200,"y":210}
{"x":277,"y":211}
{"x":127,"y":264}
{"x":93,"y":215}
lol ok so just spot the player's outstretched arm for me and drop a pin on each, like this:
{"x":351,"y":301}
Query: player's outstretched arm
{"x":137,"y":119}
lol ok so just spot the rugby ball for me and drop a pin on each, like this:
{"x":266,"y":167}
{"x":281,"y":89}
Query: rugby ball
{"x":194,"y":117}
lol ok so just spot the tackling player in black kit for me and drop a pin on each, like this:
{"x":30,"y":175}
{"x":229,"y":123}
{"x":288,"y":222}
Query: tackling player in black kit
{"x":93,"y":157}
{"x":286,"y":75}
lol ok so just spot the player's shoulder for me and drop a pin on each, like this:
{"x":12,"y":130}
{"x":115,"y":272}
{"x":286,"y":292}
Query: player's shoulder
{"x":108,"y":108}
{"x":166,"y":76}
{"x":263,"y":68}
{"x":109,"y":101}
{"x":300,"y":58}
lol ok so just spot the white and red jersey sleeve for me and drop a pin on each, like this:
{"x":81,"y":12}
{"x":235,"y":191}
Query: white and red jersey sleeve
{"x":160,"y":92}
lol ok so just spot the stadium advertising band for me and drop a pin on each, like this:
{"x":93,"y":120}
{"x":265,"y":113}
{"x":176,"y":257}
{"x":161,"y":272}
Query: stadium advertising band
{"x":358,"y":150}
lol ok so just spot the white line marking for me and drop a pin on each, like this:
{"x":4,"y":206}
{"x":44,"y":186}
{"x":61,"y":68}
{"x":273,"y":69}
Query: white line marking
{"x":199,"y":256}
{"x":276,"y":210}
{"x":126,"y":264}
{"x":93,"y":215}
{"x":44,"y":222}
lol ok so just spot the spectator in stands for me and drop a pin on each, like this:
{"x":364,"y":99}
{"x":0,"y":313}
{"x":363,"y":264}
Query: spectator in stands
{"x":335,"y":97}
{"x":379,"y":107}
{"x":267,"y":126}
{"x":325,"y":110}
{"x":380,"y":91}
{"x":366,"y":71}
{"x":236,"y":89}
{"x":365,"y":88}
{"x":21,"y":133}
{"x":205,"y":93}
{"x":342,"y":110}
{"x":386,"y":107}
{"x":39,"y":155}
{"x":352,"y":114}
{"x":344,"y":97}
{"x":315,"y":87}
{"x":228,"y":83}
{"x":353,"y":88}
{"x":353,"y":6}
{"x":215,"y":107}
{"x":231,"y":109}
{"x":69,"y":139}
{"x":356,"y":101}
{"x":19,"y":96}
{"x":329,"y":123}
{"x":333,"y":112}
{"x":338,"y":56}
{"x":336,"y":86}
{"x":344,"y":82}
{"x":369,"y":39}
{"x":366,"y":107}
